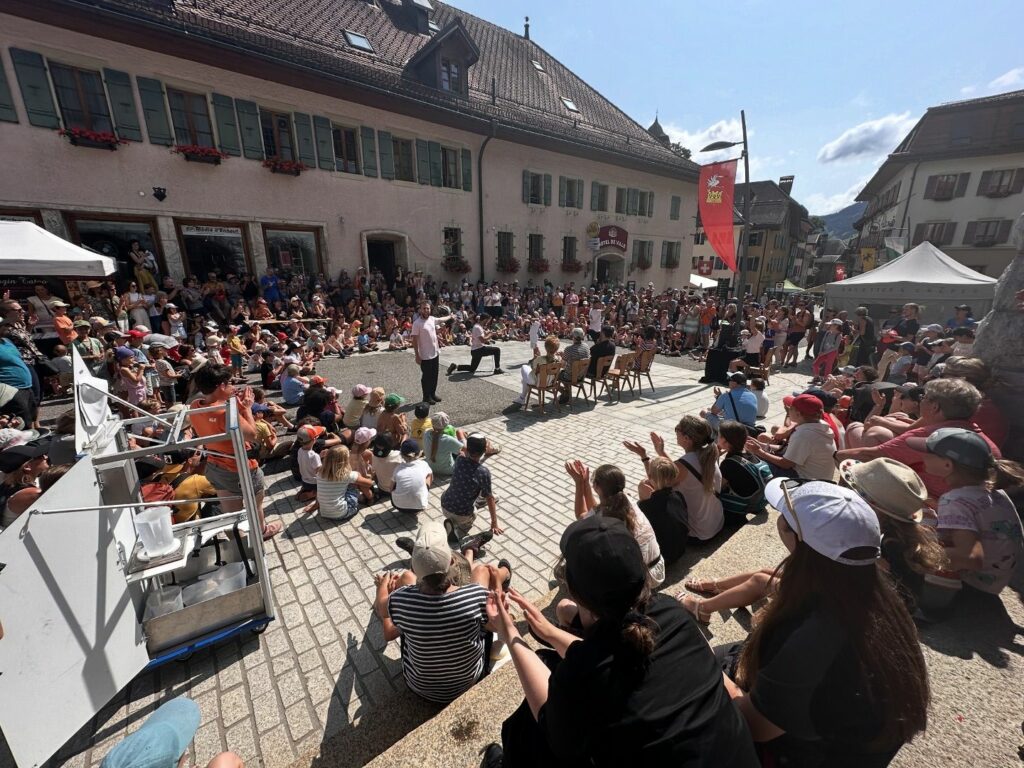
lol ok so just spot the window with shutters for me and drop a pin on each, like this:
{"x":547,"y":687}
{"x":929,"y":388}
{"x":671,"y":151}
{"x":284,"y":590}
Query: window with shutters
{"x":673,"y":211}
{"x":600,"y":193}
{"x":643,"y":205}
{"x":945,"y":186}
{"x":643,"y":254}
{"x":568,"y":249}
{"x":505,"y":241}
{"x":535,"y":247}
{"x":780,"y":241}
{"x":719,"y":264}
{"x":935,"y":232}
{"x":755,"y":238}
{"x":620,"y":199}
{"x":573,"y":193}
{"x":82,"y":100}
{"x":670,"y":253}
{"x":753,"y":263}
{"x":700,"y":237}
{"x":404,"y":161}
{"x":452,"y":242}
{"x":190,"y":115}
{"x":451,"y":76}
{"x":1000,"y":183}
{"x":278,"y":140}
{"x":986,"y":232}
{"x":450,"y":168}
{"x":346,"y":149}
{"x":536,"y":188}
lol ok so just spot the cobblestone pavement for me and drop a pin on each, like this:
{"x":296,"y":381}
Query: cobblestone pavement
{"x":322,"y":671}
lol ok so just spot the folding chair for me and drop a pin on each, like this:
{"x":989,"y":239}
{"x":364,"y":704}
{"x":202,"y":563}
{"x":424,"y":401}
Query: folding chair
{"x":646,"y":361}
{"x":577,"y":378}
{"x":619,"y":374}
{"x":600,"y":371}
{"x":547,"y":384}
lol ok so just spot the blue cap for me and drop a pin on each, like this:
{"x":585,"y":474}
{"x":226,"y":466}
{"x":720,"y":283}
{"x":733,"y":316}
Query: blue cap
{"x":260,"y":408}
{"x":161,"y":740}
{"x":122,"y":353}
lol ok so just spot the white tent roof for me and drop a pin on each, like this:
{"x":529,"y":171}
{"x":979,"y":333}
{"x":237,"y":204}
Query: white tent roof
{"x":28,"y":249}
{"x":703,"y":282}
{"x":924,"y":275}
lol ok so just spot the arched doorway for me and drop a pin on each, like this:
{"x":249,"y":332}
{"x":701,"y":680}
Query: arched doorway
{"x":386,"y":250}
{"x":610,"y":267}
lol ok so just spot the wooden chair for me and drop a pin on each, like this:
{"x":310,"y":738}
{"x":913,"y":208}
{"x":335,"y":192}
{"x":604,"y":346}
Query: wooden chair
{"x":577,"y":378}
{"x":621,"y":374}
{"x":646,"y":361}
{"x":600,"y":373}
{"x":761,"y":371}
{"x":547,"y":384}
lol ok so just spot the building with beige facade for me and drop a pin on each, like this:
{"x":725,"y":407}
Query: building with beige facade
{"x":956,"y":180}
{"x":323,"y":137}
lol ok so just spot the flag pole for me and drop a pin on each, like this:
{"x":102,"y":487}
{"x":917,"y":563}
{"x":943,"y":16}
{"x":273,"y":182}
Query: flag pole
{"x":741,"y":291}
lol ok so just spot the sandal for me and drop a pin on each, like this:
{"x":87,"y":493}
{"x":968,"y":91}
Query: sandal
{"x":270,"y":530}
{"x":694,"y":606}
{"x":703,"y":586}
{"x":503,"y":563}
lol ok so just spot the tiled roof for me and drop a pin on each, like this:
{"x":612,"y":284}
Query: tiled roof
{"x":998,"y":98}
{"x":768,"y":204}
{"x":310,"y":33}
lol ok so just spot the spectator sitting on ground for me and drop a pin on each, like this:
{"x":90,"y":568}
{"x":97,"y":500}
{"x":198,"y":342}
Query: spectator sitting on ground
{"x":411,"y":480}
{"x":309,"y":460}
{"x":420,"y":422}
{"x":664,"y":507}
{"x":757,"y":386}
{"x":391,"y":422}
{"x":275,"y":412}
{"x":808,"y":453}
{"x":743,"y":475}
{"x":338,"y":487}
{"x":641,"y":688}
{"x":374,"y":408}
{"x":293,"y":386}
{"x":441,"y":444}
{"x":384,"y":460}
{"x":471,"y":481}
{"x":437,"y":609}
{"x":356,"y":407}
{"x":737,"y":403}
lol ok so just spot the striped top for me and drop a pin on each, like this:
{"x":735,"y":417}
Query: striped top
{"x":442,"y":639}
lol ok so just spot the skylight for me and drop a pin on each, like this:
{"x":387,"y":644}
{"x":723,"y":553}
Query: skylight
{"x":537,"y":65}
{"x":570,"y":104}
{"x":433,"y":26}
{"x":362,"y":42}
{"x":424,"y":4}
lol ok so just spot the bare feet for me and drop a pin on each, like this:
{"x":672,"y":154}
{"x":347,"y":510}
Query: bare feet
{"x":270,"y":530}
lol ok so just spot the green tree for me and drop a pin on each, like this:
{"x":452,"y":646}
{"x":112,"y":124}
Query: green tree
{"x":679,"y":149}
{"x":817,"y":224}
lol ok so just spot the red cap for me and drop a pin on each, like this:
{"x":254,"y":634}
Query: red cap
{"x":844,"y":401}
{"x":282,"y":336}
{"x":808,"y":405}
{"x":133,"y":334}
{"x":788,"y":400}
{"x":318,"y":380}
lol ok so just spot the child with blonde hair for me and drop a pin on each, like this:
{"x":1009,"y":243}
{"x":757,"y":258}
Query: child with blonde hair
{"x":374,"y":408}
{"x":338,"y":486}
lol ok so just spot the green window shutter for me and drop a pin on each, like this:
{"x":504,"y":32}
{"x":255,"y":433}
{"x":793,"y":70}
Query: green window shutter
{"x":324,"y":142}
{"x":122,"y":102}
{"x":664,"y":252}
{"x":594,"y":194}
{"x":620,"y":200}
{"x":422,"y":162}
{"x":526,"y":186}
{"x":154,"y":108}
{"x":227,"y":124}
{"x":304,"y":138}
{"x":547,"y":189}
{"x":8,"y":113}
{"x":561,"y":191}
{"x":35,"y":88}
{"x":387,"y":155}
{"x":249,"y":125}
{"x":435,"y":163}
{"x":632,"y":201}
{"x":467,"y":171}
{"x":579,"y":194}
{"x":368,"y":138}
{"x":650,"y":204}
{"x":674,"y":211}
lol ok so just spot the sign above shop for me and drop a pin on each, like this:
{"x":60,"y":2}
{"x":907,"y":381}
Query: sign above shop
{"x":612,"y":237}
{"x":204,"y":231}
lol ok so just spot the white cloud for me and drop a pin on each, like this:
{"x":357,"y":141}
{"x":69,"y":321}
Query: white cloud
{"x":819,"y":204}
{"x":723,"y":130}
{"x":1009,"y":79}
{"x":868,"y":139}
{"x":967,"y":90}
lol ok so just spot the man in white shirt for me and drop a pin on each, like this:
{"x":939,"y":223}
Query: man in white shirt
{"x":479,"y":348}
{"x":596,"y":319}
{"x":428,"y":352}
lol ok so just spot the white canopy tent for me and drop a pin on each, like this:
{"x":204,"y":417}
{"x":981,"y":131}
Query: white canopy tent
{"x":704,"y":283}
{"x":28,"y":249}
{"x":924,"y":275}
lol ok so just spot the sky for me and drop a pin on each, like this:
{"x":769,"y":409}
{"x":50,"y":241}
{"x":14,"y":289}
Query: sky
{"x":829,"y":88}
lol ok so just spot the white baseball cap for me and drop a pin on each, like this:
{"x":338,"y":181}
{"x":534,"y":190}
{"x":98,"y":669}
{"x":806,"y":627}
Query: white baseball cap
{"x":431,"y":554}
{"x":828,"y":518}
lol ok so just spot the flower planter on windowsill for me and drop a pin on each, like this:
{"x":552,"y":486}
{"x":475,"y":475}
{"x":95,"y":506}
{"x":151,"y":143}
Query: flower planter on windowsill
{"x":79,"y":137}
{"x":572,"y":266}
{"x":508,"y":266}
{"x":456,"y":265}
{"x":643,"y":264}
{"x":208,"y":159}
{"x":287,"y":172}
{"x":196,"y":154}
{"x":287,"y":167}
{"x":537,"y":266}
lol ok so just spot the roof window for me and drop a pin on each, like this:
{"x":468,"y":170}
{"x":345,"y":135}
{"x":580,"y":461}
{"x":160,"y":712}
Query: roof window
{"x":356,"y":40}
{"x":570,"y":104}
{"x":537,"y":65}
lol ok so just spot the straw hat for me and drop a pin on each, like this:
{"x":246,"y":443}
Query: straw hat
{"x":889,"y":486}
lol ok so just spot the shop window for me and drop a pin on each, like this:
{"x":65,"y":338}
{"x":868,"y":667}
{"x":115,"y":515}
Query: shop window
{"x":292,"y":251}
{"x":114,"y":239}
{"x":214,"y":248}
{"x":450,"y":168}
{"x":404,"y":163}
{"x":277,"y":134}
{"x":346,"y":149}
{"x":82,"y":100}
{"x":190,"y":115}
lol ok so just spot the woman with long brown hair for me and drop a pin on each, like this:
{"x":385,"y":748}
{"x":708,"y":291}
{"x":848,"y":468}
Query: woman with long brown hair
{"x":833,"y":673}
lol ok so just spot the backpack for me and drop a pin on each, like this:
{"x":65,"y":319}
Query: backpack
{"x":761,"y":472}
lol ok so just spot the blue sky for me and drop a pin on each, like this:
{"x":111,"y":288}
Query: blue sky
{"x":829,"y":88}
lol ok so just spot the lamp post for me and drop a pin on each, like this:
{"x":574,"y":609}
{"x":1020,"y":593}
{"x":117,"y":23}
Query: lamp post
{"x":741,"y":274}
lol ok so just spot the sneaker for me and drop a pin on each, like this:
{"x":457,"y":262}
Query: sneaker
{"x":434,"y":400}
{"x":405,"y":543}
{"x":449,"y":528}
{"x":519,"y":401}
{"x":503,"y":563}
{"x":475,"y":543}
{"x":499,"y":370}
{"x":493,"y":756}
{"x":452,"y":368}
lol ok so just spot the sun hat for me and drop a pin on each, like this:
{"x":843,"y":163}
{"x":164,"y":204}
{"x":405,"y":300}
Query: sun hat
{"x":828,"y":518}
{"x":440,"y":420}
{"x":961,"y":446}
{"x":410,"y":448}
{"x":309,"y":433}
{"x":604,"y":566}
{"x":365,"y":434}
{"x":260,"y":408}
{"x":382,"y":445}
{"x":59,"y":303}
{"x":888,"y":486}
{"x":393,"y":400}
{"x":318,"y":380}
{"x":10,"y":437}
{"x":161,"y":740}
{"x":360,"y":390}
{"x":137,"y":334}
{"x":214,"y":341}
{"x":431,"y":554}
{"x":17,"y":455}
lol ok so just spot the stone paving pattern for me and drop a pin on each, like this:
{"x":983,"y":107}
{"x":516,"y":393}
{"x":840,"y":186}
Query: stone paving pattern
{"x":320,"y":686}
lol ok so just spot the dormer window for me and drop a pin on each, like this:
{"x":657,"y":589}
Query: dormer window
{"x":570,"y":104}
{"x":451,"y":76}
{"x":356,"y":40}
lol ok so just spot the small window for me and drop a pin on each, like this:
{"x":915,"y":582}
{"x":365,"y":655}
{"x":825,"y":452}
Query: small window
{"x":601,"y":201}
{"x":699,"y":238}
{"x":83,"y":103}
{"x":538,"y":66}
{"x":620,"y":199}
{"x":277,"y":134}
{"x":536,"y":189}
{"x":568,"y":249}
{"x":191,"y":118}
{"x":536,"y":247}
{"x":945,"y":186}
{"x":433,"y":27}
{"x":362,"y":42}
{"x":451,"y":76}
{"x":673,"y":212}
{"x":1000,"y":183}
{"x":450,"y":168}
{"x":346,"y":149}
{"x":452,"y":242}
{"x":570,"y":104}
{"x":987,"y":231}
{"x":505,"y":240}
{"x":755,"y":238}
{"x":642,"y":205}
{"x":403,"y":159}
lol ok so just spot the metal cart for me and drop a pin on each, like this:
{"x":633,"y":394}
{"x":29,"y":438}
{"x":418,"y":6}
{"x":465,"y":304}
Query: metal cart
{"x":74,"y":581}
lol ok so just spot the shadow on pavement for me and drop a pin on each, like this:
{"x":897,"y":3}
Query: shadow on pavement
{"x":980,"y":626}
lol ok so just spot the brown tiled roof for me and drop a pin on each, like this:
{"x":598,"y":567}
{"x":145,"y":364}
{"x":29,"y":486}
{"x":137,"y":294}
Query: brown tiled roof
{"x":310,"y":33}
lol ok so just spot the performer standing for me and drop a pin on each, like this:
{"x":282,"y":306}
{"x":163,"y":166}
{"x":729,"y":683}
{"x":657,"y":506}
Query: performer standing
{"x":424,"y":343}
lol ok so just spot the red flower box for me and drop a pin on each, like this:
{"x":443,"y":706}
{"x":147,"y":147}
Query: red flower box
{"x":643,"y":262}
{"x":537,"y":266}
{"x":290,"y":167}
{"x":572,"y":266}
{"x":82,"y":137}
{"x":509,"y":266}
{"x":456,"y":265}
{"x":193,"y":153}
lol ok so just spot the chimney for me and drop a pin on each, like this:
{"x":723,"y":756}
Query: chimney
{"x":526,"y":28}
{"x":786,"y":184}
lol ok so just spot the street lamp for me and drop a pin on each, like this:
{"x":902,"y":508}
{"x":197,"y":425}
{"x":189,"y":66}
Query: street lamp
{"x":712,"y":147}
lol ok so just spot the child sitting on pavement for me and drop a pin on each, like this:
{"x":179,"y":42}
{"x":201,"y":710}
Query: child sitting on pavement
{"x":308,"y":460}
{"x":338,"y":486}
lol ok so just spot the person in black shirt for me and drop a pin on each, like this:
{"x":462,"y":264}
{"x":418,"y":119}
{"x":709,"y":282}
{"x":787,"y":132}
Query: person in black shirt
{"x":833,"y":673}
{"x":908,"y":324}
{"x":603,"y":347}
{"x":664,"y":507}
{"x":640,"y":688}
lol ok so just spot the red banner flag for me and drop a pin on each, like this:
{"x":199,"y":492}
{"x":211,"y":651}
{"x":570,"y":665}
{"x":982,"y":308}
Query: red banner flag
{"x":715,"y":203}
